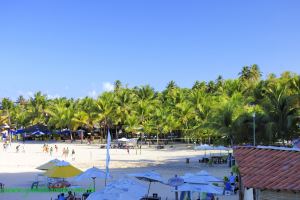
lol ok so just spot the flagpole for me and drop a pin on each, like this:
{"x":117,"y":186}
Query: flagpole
{"x":107,"y":155}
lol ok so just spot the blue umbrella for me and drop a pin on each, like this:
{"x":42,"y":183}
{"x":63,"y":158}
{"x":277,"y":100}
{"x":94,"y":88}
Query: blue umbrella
{"x":19,"y":131}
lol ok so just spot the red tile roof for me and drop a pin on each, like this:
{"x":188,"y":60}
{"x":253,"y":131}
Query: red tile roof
{"x":273,"y":169}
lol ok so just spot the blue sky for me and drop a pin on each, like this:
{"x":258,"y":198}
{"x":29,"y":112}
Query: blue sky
{"x":78,"y":48}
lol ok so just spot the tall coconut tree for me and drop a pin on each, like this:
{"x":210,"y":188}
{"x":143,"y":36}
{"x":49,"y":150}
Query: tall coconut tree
{"x":281,"y":110}
{"x":105,"y":108}
{"x":36,"y":108}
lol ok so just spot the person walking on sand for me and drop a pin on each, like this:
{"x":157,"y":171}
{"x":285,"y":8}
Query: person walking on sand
{"x":64,"y":152}
{"x":47,"y":148}
{"x":17,"y":148}
{"x":67,"y":152}
{"x":44,"y":148}
{"x":51,"y":151}
{"x":127,"y":149}
{"x":56,"y":148}
{"x":73,"y":154}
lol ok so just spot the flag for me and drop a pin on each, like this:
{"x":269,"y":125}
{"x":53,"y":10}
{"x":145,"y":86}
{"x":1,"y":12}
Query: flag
{"x":107,"y":153}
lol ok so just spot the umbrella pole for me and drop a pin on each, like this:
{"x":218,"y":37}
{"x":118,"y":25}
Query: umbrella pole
{"x":149,"y":189}
{"x":176,"y":193}
{"x":94,"y":181}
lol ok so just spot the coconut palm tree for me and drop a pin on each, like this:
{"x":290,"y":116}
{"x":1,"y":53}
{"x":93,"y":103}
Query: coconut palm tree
{"x":105,"y":108}
{"x":7,"y":106}
{"x":36,"y":108}
{"x":281,"y":110}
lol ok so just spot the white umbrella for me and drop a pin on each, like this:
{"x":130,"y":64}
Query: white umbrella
{"x":121,"y":189}
{"x":221,"y":148}
{"x":123,"y":140}
{"x":148,"y":177}
{"x":5,"y":126}
{"x":208,"y":188}
{"x":202,"y":177}
{"x":204,"y":147}
{"x":38,"y":133}
{"x":91,"y":173}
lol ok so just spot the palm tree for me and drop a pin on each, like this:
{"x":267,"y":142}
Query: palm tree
{"x":61,"y":116}
{"x":225,"y":119}
{"x":117,"y":85}
{"x":171,"y":85}
{"x":184,"y":114}
{"x":37,"y":106}
{"x":122,"y":107}
{"x":281,"y":110}
{"x":7,"y":106}
{"x":105,"y":107}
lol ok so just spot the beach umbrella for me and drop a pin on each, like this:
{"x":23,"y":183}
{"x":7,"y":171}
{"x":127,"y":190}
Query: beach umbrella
{"x":123,"y":140}
{"x":221,"y":148}
{"x":91,"y":173}
{"x":5,"y":126}
{"x":38,"y":133}
{"x":204,"y":147}
{"x":148,"y":177}
{"x":19,"y":131}
{"x":119,"y":190}
{"x":63,"y":169}
{"x":207,"y":188}
{"x":48,"y":165}
{"x":202,"y":177}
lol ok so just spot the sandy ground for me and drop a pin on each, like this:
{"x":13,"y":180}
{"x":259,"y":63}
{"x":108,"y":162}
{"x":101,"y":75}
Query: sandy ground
{"x":17,"y":170}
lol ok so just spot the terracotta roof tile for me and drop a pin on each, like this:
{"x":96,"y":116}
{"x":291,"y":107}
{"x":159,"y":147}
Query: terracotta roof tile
{"x":273,"y":169}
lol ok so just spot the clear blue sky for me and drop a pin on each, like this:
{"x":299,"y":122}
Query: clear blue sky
{"x":72,"y":48}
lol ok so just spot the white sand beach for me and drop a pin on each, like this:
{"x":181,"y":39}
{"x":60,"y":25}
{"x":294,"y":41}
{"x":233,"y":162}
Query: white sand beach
{"x":17,"y":170}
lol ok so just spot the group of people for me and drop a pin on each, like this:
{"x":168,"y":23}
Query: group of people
{"x":232,"y":183}
{"x":65,"y":151}
{"x":70,"y":196}
{"x":18,"y":147}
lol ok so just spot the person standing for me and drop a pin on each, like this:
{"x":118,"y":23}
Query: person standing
{"x":67,"y":152}
{"x":64,"y":152}
{"x":232,"y":179}
{"x":51,"y":151}
{"x":56,"y":148}
{"x":73,"y":154}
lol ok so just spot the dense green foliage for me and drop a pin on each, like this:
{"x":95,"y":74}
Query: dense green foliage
{"x":220,"y":110}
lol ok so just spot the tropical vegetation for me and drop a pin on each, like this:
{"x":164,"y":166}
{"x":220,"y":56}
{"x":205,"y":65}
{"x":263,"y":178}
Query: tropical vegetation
{"x":220,"y":111}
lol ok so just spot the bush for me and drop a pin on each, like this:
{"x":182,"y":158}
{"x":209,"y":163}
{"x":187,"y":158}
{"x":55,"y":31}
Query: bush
{"x":235,"y":169}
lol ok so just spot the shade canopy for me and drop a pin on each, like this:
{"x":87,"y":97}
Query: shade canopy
{"x":93,"y":172}
{"x":202,"y":177}
{"x":149,"y":176}
{"x":38,"y":133}
{"x":204,"y":147}
{"x":63,"y":169}
{"x":120,"y":189}
{"x":208,"y":188}
{"x":48,"y":165}
{"x":123,"y":140}
{"x":222,"y":148}
{"x":5,"y":126}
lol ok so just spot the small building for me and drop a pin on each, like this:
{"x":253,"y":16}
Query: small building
{"x":267,"y":173}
